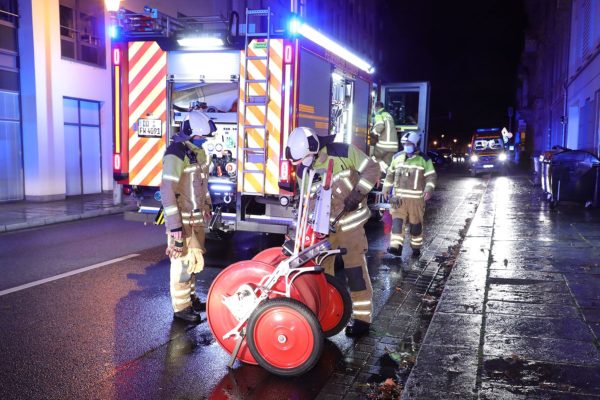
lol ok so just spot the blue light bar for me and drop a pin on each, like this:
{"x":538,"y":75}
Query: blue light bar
{"x":296,"y":26}
{"x":221,"y":188}
{"x":488,"y":130}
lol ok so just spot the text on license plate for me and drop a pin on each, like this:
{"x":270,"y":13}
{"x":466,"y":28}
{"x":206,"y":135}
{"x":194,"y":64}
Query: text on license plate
{"x":488,"y":166}
{"x":150,"y":128}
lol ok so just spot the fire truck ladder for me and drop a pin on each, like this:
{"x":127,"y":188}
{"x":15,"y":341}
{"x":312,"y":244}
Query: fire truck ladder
{"x":256,"y":155}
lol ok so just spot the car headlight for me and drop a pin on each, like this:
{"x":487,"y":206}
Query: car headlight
{"x":502,"y":157}
{"x":474,"y":158}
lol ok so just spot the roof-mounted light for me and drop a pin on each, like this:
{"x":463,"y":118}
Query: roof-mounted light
{"x":202,"y":42}
{"x":296,"y":26}
{"x":112,"y":5}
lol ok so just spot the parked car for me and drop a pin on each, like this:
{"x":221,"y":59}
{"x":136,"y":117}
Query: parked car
{"x":439,"y":161}
{"x":445,"y":153}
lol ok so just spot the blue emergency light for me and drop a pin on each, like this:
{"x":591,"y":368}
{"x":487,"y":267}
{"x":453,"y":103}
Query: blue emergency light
{"x":298,"y":27}
{"x":481,"y":130}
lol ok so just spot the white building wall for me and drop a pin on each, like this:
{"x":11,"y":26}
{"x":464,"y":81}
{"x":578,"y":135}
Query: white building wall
{"x":46,"y":79}
{"x":584,"y":72}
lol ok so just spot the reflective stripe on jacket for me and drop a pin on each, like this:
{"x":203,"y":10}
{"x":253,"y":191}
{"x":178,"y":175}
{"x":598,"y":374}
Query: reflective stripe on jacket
{"x":385,"y":127}
{"x":410,"y":177}
{"x":184,"y":186}
{"x":352,"y":169}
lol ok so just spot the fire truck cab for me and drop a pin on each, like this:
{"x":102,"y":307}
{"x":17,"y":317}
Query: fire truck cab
{"x":256,"y":87}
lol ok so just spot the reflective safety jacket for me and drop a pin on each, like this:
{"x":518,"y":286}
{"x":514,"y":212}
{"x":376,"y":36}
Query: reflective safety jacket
{"x":385,"y":127}
{"x":351,"y":169}
{"x":184,"y":187}
{"x":410,"y":177}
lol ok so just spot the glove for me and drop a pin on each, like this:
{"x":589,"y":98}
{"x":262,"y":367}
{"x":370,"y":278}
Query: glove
{"x":175,"y":248}
{"x":195,"y":260}
{"x":353,"y":200}
{"x":395,"y":202}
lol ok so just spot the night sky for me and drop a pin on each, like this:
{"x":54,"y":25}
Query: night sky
{"x":468,"y":49}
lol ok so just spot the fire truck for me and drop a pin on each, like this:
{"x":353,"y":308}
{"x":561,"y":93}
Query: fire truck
{"x":256,"y":86}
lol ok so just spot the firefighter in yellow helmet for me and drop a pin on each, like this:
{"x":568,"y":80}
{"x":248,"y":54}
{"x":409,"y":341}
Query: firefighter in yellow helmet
{"x":354,"y":175}
{"x":187,"y":208}
{"x":411,"y":180}
{"x":387,"y":138}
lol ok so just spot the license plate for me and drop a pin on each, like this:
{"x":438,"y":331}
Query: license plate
{"x":150,"y":128}
{"x":488,"y":166}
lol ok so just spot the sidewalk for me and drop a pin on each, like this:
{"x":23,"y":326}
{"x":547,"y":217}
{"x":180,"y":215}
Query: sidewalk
{"x":388,"y":352}
{"x":519,"y":316}
{"x":27,"y":214}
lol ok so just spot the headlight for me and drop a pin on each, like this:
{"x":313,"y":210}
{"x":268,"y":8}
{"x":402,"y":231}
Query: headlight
{"x":502,"y":157}
{"x":474,"y":158}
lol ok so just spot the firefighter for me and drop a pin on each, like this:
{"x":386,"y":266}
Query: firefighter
{"x":411,"y":180}
{"x":354,"y":174}
{"x":387,"y":138}
{"x":187,"y":208}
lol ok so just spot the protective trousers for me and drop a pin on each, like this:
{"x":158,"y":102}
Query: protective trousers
{"x":383,"y":157}
{"x":355,"y":267}
{"x":182,"y":273}
{"x":411,"y":212}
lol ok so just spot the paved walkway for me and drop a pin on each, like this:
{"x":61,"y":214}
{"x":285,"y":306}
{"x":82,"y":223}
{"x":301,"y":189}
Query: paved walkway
{"x":388,"y":352}
{"x":520,"y":313}
{"x":28,"y":214}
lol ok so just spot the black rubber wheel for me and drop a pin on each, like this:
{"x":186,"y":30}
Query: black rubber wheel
{"x":285,"y":337}
{"x":346,"y":314}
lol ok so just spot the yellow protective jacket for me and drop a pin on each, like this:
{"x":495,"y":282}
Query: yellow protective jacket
{"x":184,"y":187}
{"x":385,"y":127}
{"x":352,"y":169}
{"x":410,"y":177}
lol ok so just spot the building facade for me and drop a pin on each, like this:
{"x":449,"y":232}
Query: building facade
{"x":559,"y":94}
{"x":56,"y":135}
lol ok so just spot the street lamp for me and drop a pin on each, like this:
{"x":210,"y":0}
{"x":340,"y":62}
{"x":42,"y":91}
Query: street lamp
{"x":435,"y":142}
{"x":442,"y":135}
{"x":112,"y":5}
{"x":455,"y":140}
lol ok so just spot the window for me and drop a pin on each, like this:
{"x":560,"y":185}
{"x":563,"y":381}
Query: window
{"x":82,"y":31}
{"x":403,"y":106}
{"x":484,"y":144}
{"x":9,"y":73}
{"x":11,"y":166}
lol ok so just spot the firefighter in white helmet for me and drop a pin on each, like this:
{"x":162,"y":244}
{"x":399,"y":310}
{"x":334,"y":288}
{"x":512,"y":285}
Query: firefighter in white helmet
{"x":187,"y":208}
{"x":411,"y":180}
{"x":387,"y":138}
{"x":354,"y":174}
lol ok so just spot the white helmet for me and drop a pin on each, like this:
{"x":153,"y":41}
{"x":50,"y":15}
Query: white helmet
{"x":302,"y":145}
{"x":198,"y":124}
{"x":411,"y":136}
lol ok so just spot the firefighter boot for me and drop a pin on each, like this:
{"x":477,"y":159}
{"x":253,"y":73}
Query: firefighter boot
{"x":197,"y":304}
{"x":395,"y":251}
{"x":188,"y":314}
{"x":416,"y":253}
{"x":356,"y":328}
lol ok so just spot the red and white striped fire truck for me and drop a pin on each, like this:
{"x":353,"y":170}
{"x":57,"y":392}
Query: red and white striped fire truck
{"x":256,"y":87}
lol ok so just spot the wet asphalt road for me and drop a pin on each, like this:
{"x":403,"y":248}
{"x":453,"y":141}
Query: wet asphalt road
{"x":109,"y":333}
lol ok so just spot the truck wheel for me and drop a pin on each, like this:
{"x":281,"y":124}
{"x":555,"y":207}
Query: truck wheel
{"x":339,"y":307}
{"x":473,"y":173}
{"x":285,"y":337}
